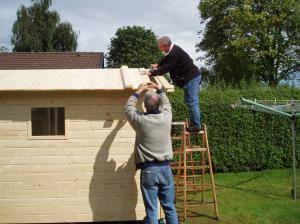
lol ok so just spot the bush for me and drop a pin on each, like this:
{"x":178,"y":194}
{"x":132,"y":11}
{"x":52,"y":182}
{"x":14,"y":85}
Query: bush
{"x":240,"y":139}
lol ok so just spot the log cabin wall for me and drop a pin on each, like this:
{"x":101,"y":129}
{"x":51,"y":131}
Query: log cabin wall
{"x":86,"y":175}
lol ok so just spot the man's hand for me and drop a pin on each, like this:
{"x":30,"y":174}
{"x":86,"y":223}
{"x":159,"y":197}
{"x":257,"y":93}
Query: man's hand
{"x":142,"y":88}
{"x":153,"y":85}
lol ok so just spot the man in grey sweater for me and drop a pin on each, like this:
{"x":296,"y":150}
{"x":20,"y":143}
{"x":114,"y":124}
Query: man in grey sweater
{"x":153,"y":150}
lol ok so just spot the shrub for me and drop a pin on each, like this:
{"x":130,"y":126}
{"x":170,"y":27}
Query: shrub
{"x":240,"y":139}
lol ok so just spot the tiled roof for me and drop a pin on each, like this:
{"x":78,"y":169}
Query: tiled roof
{"x":51,"y":60}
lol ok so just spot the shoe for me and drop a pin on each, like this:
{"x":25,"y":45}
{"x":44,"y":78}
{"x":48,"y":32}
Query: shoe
{"x":193,"y":129}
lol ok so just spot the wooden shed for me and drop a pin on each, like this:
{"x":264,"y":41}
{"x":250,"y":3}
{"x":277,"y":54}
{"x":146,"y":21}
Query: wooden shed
{"x":66,"y":150}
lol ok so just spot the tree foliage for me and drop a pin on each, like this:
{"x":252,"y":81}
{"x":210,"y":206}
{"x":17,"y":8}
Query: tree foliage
{"x":251,"y":39}
{"x":3,"y":49}
{"x":38,"y":29}
{"x":133,"y":46}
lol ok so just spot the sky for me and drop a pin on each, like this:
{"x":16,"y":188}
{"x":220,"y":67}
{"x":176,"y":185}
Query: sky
{"x":97,"y":20}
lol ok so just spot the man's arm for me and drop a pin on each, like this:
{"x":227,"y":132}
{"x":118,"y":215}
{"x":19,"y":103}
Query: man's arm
{"x":165,"y":103}
{"x":130,"y":110}
{"x":169,"y":64}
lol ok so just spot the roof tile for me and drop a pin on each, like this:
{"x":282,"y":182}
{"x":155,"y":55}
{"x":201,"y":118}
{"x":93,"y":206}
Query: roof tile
{"x":51,"y":60}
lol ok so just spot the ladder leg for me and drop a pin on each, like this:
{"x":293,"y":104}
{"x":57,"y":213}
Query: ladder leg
{"x":202,"y":164}
{"x":211,"y":176}
{"x":184,"y":175}
{"x":202,"y":177}
{"x":178,"y":173}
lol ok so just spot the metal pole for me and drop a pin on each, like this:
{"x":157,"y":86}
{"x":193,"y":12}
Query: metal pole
{"x":266,"y":107}
{"x":293,"y":121}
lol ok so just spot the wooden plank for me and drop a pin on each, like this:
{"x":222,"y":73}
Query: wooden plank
{"x":43,"y":210}
{"x":67,"y":151}
{"x":96,"y":125}
{"x":104,"y":194}
{"x":166,"y":85}
{"x":13,"y":134}
{"x":144,"y":77}
{"x":61,"y":99}
{"x":13,"y":109}
{"x":13,"y":126}
{"x":79,"y":217}
{"x":60,"y":79}
{"x":107,"y":174}
{"x":131,"y":77}
{"x":127,"y":77}
{"x":155,"y":80}
{"x":95,"y":108}
{"x":96,"y":116}
{"x":102,"y":133}
{"x":35,"y":202}
{"x":160,"y":80}
{"x":96,"y":166}
{"x":124,"y":177}
{"x":138,"y":78}
{"x":61,"y":159}
{"x":79,"y":142}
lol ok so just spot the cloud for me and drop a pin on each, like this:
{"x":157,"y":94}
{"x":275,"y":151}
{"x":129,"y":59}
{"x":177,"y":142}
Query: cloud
{"x":97,"y":21}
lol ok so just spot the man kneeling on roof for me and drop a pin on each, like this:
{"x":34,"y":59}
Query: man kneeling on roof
{"x":153,"y":150}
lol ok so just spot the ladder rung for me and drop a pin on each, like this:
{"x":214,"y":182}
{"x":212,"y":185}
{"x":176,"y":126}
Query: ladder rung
{"x":181,"y":192}
{"x":190,"y":176}
{"x":195,"y":149}
{"x":194,"y":167}
{"x":194,"y":133}
{"x":176,"y":137}
{"x":176,"y":152}
{"x":193,"y":162}
{"x":194,"y":185}
{"x":190,"y":191}
{"x":178,"y":123}
{"x":200,"y":204}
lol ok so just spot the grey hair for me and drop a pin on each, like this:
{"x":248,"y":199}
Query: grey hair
{"x":152,"y":101}
{"x":165,"y":40}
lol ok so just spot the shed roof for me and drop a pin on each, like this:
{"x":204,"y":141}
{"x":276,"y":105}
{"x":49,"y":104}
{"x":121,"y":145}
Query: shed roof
{"x":51,"y":60}
{"x":77,"y":79}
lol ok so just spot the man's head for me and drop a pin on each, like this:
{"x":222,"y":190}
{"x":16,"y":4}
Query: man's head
{"x":164,"y":44}
{"x":152,"y":101}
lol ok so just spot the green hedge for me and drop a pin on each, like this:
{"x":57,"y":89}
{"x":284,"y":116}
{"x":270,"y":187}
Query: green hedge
{"x":239,"y":139}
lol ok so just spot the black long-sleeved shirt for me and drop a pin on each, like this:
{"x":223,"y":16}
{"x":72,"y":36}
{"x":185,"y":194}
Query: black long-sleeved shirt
{"x":180,"y":66}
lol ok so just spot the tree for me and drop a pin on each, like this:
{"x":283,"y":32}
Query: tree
{"x":251,"y":39}
{"x":133,"y":46}
{"x":3,"y":49}
{"x":39,"y":30}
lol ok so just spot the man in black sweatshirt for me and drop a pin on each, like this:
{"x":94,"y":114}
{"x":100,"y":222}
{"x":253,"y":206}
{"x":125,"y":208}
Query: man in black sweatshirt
{"x":184,"y":74}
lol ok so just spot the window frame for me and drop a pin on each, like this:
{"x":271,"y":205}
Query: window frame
{"x":47,"y":137}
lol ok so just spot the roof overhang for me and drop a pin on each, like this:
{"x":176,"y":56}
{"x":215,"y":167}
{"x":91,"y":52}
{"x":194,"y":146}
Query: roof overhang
{"x":110,"y":79}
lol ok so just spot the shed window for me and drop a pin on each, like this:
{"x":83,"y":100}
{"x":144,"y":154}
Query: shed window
{"x":48,"y":121}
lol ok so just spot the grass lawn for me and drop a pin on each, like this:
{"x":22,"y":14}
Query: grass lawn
{"x":253,"y":197}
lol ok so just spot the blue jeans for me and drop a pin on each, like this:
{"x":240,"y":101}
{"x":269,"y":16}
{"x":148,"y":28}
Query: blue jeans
{"x":157,"y":182}
{"x":191,"y":98}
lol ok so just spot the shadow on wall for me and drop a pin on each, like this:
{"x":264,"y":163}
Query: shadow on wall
{"x":113,"y":190}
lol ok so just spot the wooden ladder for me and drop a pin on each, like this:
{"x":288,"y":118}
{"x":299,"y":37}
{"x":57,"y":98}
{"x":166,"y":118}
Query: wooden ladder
{"x":192,"y":165}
